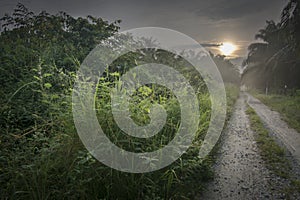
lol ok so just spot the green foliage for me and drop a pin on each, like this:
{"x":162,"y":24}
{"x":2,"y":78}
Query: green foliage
{"x":40,"y":52}
{"x":274,"y":155}
{"x":229,"y":72}
{"x":232,"y":94}
{"x":41,"y":155}
{"x":275,"y":61}
{"x":269,"y":149}
{"x":288,"y":106}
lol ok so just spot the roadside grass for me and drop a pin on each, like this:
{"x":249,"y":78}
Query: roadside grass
{"x":269,"y":149}
{"x":57,"y":166}
{"x":49,"y":161}
{"x":273,"y":154}
{"x":287,"y":106}
{"x":232,"y":94}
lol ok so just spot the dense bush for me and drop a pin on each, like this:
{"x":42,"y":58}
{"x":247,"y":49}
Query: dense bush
{"x":41,"y":156}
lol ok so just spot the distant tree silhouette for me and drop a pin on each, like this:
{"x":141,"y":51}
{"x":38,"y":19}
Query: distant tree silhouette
{"x":275,"y":61}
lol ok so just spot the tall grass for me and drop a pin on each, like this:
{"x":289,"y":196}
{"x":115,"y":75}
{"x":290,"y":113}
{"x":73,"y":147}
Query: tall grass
{"x":274,"y":155}
{"x":48,"y":161}
{"x":288,"y":106}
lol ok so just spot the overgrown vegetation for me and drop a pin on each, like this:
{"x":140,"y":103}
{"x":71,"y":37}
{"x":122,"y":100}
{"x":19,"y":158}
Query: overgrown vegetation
{"x":230,"y":72}
{"x":41,"y":156}
{"x":269,"y":149}
{"x":288,"y":106}
{"x":233,"y":92}
{"x":273,"y":154}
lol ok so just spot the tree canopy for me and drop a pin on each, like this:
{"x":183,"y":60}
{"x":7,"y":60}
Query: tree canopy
{"x":275,"y":60}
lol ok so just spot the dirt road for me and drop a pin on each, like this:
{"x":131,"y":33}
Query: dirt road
{"x":289,"y":137}
{"x":240,"y":170}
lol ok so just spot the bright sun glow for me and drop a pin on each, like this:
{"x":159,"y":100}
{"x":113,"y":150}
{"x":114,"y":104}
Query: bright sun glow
{"x":227,"y":48}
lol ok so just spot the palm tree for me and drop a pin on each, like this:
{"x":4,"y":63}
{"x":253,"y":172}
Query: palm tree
{"x":278,"y":55}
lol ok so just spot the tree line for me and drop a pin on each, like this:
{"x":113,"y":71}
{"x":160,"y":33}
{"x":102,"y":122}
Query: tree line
{"x":274,"y":61}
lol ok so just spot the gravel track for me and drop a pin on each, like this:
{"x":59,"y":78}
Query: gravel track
{"x":240,"y":171}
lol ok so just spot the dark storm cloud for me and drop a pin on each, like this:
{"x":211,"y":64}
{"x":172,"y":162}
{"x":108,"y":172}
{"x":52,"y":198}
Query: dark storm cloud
{"x":207,"y":46}
{"x":213,"y":9}
{"x":211,"y":44}
{"x":231,"y":9}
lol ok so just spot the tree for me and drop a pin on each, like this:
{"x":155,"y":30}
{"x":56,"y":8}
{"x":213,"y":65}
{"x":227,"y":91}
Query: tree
{"x":37,"y":52}
{"x":277,"y":57}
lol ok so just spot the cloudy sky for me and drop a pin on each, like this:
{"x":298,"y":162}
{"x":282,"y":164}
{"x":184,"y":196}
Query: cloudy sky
{"x":207,"y":21}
